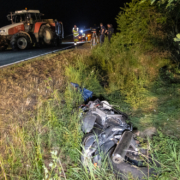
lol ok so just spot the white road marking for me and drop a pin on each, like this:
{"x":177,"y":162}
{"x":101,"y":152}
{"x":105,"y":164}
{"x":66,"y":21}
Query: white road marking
{"x":35,"y":56}
{"x":44,"y":53}
{"x":81,"y":42}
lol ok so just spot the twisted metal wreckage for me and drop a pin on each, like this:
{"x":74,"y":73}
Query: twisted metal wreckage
{"x":107,"y":133}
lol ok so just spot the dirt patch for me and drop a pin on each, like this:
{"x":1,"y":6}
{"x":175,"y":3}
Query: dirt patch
{"x":23,"y":84}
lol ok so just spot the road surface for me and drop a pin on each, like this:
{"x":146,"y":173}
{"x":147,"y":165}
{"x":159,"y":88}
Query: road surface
{"x":9,"y":57}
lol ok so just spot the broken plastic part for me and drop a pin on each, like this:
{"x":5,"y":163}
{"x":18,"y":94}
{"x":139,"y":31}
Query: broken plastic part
{"x":88,"y":123}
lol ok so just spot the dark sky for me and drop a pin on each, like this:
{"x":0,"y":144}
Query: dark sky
{"x":70,"y":12}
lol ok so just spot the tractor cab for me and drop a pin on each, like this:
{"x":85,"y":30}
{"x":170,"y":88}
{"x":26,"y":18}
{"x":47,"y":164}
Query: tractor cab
{"x":25,"y":16}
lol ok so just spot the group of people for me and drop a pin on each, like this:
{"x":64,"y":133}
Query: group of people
{"x":94,"y":38}
{"x":109,"y":31}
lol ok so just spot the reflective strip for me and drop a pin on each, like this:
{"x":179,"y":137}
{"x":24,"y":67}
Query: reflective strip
{"x":76,"y":34}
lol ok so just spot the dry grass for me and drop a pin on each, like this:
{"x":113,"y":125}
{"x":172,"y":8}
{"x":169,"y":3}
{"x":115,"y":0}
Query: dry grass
{"x":23,"y":84}
{"x":24,"y":88}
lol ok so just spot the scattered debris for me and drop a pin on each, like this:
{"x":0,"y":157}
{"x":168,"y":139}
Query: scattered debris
{"x":87,"y":94}
{"x":108,"y":135}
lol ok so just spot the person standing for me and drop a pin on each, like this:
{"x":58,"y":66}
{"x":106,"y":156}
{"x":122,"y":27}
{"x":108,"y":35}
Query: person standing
{"x":110,"y":31}
{"x":57,"y":27}
{"x":102,"y":33}
{"x":75,"y":32}
{"x":58,"y":31}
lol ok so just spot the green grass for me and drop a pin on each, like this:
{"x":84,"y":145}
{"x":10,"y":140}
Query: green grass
{"x":134,"y":74}
{"x":48,"y":146}
{"x":166,"y":151}
{"x":55,"y":128}
{"x":158,"y":107}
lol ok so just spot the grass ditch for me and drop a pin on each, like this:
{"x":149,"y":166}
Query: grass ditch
{"x":40,"y":122}
{"x":40,"y":125}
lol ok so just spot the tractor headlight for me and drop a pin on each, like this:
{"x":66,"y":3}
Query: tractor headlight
{"x":81,"y":31}
{"x":2,"y":31}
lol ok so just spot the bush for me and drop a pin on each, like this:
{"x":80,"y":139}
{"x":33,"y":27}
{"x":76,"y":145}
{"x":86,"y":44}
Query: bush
{"x":136,"y":54}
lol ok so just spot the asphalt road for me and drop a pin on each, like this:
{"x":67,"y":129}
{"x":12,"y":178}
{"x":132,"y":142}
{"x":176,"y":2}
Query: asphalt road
{"x":9,"y":56}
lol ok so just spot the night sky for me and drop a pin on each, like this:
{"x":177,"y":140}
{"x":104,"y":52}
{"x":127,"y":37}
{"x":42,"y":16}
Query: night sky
{"x":70,"y":12}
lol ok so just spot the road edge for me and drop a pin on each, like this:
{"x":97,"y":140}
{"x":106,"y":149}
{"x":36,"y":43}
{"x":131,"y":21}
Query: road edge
{"x":36,"y":56}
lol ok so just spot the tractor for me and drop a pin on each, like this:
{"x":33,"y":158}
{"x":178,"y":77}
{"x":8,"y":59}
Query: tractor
{"x":27,"y":29}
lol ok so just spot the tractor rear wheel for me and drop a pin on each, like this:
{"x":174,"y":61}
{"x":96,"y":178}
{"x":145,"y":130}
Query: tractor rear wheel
{"x":46,"y":36}
{"x":20,"y":41}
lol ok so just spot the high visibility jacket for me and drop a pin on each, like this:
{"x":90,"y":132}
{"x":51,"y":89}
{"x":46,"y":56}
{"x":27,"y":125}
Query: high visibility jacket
{"x":83,"y":35}
{"x":76,"y":32}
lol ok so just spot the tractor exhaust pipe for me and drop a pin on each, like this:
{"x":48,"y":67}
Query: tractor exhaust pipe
{"x":11,"y":18}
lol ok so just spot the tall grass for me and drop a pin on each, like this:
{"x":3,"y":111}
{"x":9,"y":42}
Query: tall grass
{"x":137,"y":71}
{"x":158,"y":109}
{"x":48,"y":144}
{"x":27,"y":149}
{"x":40,"y":116}
{"x":166,"y":152}
{"x":34,"y":120}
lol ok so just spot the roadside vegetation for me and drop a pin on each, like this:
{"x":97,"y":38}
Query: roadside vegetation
{"x":138,"y":72}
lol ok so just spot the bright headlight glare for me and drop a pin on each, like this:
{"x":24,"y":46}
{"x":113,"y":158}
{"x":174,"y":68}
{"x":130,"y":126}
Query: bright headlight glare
{"x":81,"y":31}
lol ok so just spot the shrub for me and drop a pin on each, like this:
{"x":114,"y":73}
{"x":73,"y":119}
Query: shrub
{"x":136,"y":54}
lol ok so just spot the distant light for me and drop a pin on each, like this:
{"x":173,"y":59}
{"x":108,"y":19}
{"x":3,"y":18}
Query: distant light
{"x":81,"y":31}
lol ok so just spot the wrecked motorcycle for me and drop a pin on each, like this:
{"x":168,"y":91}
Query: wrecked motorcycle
{"x":107,"y":133}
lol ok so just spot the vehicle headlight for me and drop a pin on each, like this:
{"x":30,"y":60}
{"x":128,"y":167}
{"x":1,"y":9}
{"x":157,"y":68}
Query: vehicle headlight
{"x":2,"y":31}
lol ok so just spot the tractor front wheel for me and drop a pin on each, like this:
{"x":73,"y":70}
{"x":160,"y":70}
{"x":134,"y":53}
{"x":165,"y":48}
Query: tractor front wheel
{"x":20,"y":41}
